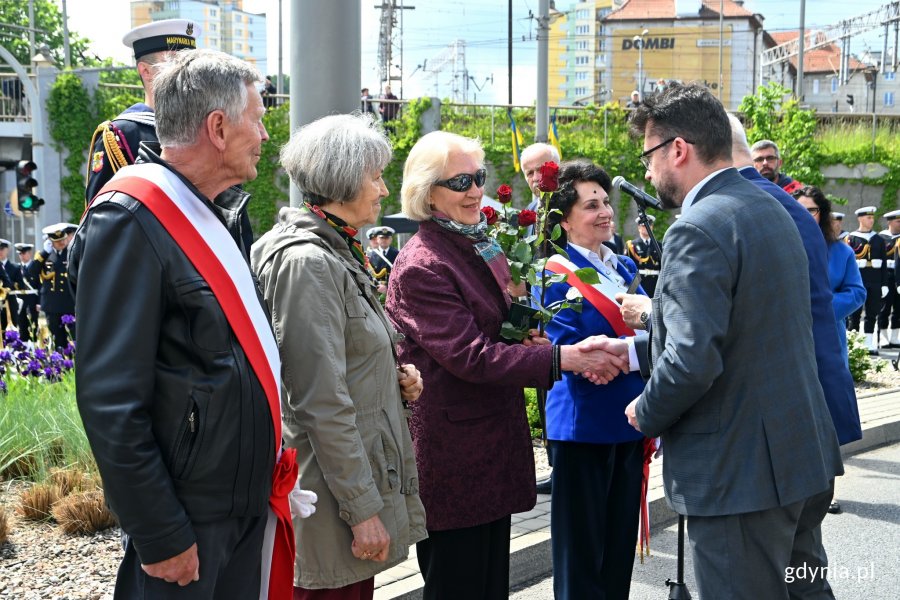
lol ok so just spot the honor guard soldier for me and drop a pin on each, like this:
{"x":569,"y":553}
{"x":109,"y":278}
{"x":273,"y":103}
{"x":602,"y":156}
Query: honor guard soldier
{"x":27,"y":319}
{"x":645,"y":256}
{"x":872,"y":261}
{"x":115,"y":143}
{"x":8,"y":304}
{"x":383,"y":255}
{"x":837,"y":221}
{"x":51,"y":265}
{"x":889,"y":317}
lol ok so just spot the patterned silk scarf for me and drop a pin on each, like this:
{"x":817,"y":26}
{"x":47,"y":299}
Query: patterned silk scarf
{"x":345,"y":231}
{"x":485,"y":246}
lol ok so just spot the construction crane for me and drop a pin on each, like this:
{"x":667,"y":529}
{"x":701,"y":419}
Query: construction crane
{"x":888,"y":17}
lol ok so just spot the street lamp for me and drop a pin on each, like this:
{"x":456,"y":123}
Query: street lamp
{"x":639,"y":42}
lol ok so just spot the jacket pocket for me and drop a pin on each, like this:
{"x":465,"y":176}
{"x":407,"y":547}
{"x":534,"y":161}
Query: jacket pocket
{"x":190,"y":436}
{"x":208,"y":328}
{"x":384,"y":461}
{"x":362,"y":334}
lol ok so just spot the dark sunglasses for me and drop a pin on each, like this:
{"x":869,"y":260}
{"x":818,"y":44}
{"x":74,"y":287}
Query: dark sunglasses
{"x":463,"y":181}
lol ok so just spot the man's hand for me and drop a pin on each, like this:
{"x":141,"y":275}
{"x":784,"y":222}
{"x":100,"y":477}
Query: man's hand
{"x":632,"y":307}
{"x":371,"y":541}
{"x":612,"y":346}
{"x":601,"y":356}
{"x":181,"y":569}
{"x":411,"y":385}
{"x":632,"y":416}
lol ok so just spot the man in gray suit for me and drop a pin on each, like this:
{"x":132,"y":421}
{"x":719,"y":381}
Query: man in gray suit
{"x":750,"y":449}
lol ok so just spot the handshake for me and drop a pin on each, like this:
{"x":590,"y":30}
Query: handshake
{"x":598,"y":358}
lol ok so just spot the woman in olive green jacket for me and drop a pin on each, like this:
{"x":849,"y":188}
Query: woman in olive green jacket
{"x":345,"y":392}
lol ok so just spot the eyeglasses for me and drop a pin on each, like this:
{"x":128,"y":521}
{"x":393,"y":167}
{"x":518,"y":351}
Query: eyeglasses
{"x":645,"y":155}
{"x":463,"y":181}
{"x":764,"y":159}
{"x":813,"y":210}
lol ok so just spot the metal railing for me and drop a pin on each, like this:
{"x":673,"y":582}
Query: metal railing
{"x":14,"y":106}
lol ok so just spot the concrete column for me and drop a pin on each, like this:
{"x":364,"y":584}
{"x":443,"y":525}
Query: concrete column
{"x":325,"y":46}
{"x":542,"y":112}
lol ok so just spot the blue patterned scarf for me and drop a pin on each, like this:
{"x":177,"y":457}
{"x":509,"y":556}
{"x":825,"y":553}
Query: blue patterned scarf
{"x":485,"y":246}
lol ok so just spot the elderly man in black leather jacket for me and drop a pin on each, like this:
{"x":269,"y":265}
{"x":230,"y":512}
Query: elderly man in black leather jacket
{"x":178,"y":414}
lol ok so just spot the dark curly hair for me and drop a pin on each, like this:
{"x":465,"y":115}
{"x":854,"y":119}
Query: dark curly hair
{"x":824,"y":204}
{"x":564,"y":198}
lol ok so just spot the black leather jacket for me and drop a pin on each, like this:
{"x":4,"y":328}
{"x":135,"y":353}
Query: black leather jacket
{"x":177,"y":420}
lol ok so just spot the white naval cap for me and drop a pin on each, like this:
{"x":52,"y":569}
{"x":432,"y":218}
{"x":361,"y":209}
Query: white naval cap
{"x":159,"y":36}
{"x":4,"y":243}
{"x":865,"y":210}
{"x":838,"y":216}
{"x":894,"y":214}
{"x":57,"y":231}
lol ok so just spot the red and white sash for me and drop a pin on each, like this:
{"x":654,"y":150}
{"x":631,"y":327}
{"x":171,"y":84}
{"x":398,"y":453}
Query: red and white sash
{"x":210,"y":248}
{"x":599,"y":296}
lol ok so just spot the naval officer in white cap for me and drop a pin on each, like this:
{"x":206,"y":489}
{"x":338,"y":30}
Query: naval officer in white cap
{"x":870,"y":256}
{"x":115,"y":143}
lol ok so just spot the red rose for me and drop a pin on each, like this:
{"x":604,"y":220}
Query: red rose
{"x":504,"y":193}
{"x":527,"y":217}
{"x":491,"y":214}
{"x":549,"y":181}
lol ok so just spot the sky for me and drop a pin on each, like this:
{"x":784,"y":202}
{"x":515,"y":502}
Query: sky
{"x":430,"y":28}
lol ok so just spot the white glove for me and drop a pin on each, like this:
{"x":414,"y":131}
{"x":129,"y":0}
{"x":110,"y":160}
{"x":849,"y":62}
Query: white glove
{"x":303,"y":502}
{"x":876,"y":263}
{"x":48,"y":246}
{"x":884,"y":291}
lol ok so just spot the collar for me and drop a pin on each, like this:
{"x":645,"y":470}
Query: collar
{"x":606,"y":257}
{"x":692,"y":195}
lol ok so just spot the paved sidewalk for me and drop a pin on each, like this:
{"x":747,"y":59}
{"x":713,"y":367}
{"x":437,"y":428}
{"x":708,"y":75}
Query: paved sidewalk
{"x":530,"y":537}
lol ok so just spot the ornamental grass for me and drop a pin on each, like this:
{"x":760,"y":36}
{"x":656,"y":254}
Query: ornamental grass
{"x":83,"y":513}
{"x":36,"y":502}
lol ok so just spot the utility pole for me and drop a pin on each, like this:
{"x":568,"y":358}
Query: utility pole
{"x":509,"y":61}
{"x":31,"y":25}
{"x":279,"y":88}
{"x":801,"y":50}
{"x":386,"y":41}
{"x":542,"y":111}
{"x":721,"y":43}
{"x":67,"y":58}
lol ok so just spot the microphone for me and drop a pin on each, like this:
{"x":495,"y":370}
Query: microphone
{"x":640,"y":196}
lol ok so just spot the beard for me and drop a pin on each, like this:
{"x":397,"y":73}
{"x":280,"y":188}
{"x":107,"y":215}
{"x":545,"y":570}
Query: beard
{"x":668,"y":194}
{"x":769,"y":174}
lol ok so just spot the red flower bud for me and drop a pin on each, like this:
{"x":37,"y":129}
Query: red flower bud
{"x":491,"y":214}
{"x":549,"y":180}
{"x":504,"y":194}
{"x":527,"y":218}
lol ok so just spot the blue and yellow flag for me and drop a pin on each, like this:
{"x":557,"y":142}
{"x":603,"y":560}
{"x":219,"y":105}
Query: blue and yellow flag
{"x":516,"y":141}
{"x":554,"y":136}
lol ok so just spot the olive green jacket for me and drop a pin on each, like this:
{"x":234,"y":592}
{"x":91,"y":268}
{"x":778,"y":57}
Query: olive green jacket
{"x":341,"y":403}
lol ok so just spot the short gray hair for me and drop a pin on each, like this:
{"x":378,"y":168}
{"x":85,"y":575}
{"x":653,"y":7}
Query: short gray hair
{"x":540,"y":147}
{"x":424,"y":166}
{"x":329,"y":158}
{"x":764,"y":144}
{"x":193,"y":84}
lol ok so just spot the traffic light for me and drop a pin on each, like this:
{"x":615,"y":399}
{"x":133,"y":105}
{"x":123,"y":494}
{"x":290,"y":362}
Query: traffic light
{"x":850,"y":99}
{"x":25,"y":184}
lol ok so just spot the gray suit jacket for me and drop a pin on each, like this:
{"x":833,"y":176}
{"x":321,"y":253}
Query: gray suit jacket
{"x":734,"y":389}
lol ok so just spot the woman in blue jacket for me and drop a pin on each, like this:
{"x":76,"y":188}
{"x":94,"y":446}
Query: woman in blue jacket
{"x":843,"y":273}
{"x":597,"y":455}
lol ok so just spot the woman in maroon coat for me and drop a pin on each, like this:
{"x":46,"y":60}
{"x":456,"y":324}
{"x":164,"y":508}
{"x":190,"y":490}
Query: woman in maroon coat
{"x":448,"y":295}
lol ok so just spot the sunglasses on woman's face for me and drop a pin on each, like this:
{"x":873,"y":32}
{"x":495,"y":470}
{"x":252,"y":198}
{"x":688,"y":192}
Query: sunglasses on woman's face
{"x":463,"y":181}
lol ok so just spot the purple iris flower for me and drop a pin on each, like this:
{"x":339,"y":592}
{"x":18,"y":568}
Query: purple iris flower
{"x":67,"y":319}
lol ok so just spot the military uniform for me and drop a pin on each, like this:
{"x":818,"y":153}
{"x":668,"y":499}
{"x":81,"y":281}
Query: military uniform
{"x":27,"y":319}
{"x":842,"y":234}
{"x":57,"y":299}
{"x":8,"y":305}
{"x":647,"y":259}
{"x":889,"y":317}
{"x":872,"y":260}
{"x":381,"y":260}
{"x":115,"y":143}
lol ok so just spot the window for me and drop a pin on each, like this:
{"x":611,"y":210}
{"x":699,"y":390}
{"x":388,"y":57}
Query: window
{"x":213,"y":12}
{"x":815,"y":86}
{"x":889,"y":98}
{"x":582,"y":30}
{"x":581,"y":76}
{"x":889,"y":76}
{"x":834,"y":85}
{"x":580,"y":91}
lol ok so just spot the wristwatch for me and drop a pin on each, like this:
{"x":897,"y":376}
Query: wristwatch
{"x":644,"y":318}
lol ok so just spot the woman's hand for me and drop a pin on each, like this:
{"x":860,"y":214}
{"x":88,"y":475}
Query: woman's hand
{"x":517,"y":290}
{"x":536,"y":338}
{"x":371,"y":541}
{"x":410,"y":382}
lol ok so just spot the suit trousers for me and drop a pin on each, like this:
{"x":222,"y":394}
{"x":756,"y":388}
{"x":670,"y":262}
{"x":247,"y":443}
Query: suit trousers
{"x":595,"y":507}
{"x":762,"y":554}
{"x":470,"y":563}
{"x":230,"y":553}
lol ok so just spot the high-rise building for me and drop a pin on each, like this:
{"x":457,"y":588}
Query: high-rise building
{"x":224,"y":25}
{"x":603,"y":50}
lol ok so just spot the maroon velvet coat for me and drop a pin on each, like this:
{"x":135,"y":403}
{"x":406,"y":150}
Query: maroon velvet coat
{"x":471,"y":437}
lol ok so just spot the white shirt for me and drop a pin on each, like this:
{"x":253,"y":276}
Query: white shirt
{"x":605,"y":262}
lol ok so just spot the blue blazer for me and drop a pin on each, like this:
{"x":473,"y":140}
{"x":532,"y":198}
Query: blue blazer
{"x":837,"y":383}
{"x":577,"y":410}
{"x":847,"y":286}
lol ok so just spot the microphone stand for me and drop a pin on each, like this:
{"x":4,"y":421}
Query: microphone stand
{"x":644,"y":220}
